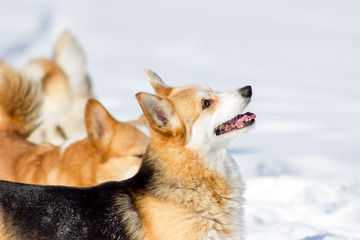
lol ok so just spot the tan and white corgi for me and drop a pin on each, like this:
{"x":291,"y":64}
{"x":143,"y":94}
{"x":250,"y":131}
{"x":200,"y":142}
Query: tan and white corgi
{"x":112,"y":150}
{"x":65,"y":87}
{"x":188,"y":186}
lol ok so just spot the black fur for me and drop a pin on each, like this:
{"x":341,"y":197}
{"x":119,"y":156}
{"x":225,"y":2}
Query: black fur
{"x":55,"y":212}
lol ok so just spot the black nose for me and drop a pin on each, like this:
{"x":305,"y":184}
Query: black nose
{"x":246,"y":92}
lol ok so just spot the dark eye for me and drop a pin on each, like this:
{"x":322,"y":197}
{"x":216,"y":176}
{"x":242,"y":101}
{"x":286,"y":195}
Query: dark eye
{"x":206,"y":103}
{"x":139,"y":155}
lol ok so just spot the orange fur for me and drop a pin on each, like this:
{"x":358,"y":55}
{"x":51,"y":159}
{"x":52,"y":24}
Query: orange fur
{"x":20,"y":102}
{"x":112,"y":151}
{"x":88,"y":162}
{"x":167,"y":220}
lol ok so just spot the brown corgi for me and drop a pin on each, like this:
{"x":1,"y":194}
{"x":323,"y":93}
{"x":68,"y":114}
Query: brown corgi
{"x":188,"y":186}
{"x":66,"y":87}
{"x":111,"y":151}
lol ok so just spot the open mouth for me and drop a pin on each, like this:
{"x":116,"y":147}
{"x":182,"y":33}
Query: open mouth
{"x":238,"y":122}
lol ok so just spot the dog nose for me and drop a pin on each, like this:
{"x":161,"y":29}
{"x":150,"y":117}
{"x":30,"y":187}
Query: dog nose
{"x":245,"y":92}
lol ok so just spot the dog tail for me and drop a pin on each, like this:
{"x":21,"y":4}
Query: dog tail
{"x":20,"y":102}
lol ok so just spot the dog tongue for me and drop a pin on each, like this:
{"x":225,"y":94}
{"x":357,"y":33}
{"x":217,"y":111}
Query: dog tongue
{"x":239,"y":121}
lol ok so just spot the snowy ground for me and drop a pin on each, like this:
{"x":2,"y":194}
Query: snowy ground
{"x":301,"y":163}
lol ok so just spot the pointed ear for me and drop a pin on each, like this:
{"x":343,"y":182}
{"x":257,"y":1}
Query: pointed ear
{"x":69,"y":55}
{"x":99,"y":123}
{"x":160,"y":113}
{"x":158,"y":84}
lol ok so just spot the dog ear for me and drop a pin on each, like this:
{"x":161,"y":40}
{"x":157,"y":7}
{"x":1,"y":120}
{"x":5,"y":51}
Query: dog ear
{"x":158,"y":84}
{"x":159,"y":112}
{"x":99,"y":123}
{"x":69,"y":55}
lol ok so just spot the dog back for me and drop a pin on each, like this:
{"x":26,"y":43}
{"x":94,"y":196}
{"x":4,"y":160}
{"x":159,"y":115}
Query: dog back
{"x":46,"y":212}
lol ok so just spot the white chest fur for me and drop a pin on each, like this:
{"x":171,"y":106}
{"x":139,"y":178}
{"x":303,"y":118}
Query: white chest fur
{"x":221,"y":161}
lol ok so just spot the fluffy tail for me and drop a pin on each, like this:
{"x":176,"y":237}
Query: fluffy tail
{"x":20,"y":102}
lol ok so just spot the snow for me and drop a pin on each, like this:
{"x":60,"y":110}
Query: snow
{"x":301,"y":162}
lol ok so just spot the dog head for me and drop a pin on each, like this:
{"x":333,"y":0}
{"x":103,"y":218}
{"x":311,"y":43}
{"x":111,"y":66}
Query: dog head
{"x":196,"y":116}
{"x":121,"y":144}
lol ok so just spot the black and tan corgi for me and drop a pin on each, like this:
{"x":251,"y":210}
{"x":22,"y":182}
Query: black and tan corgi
{"x":188,"y":186}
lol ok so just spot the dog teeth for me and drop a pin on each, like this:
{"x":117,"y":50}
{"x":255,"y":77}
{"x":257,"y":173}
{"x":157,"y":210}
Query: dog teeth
{"x":224,"y":127}
{"x":240,"y":121}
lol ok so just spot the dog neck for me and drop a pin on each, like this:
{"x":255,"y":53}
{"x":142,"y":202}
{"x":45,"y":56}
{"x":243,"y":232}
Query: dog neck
{"x":179,"y":182}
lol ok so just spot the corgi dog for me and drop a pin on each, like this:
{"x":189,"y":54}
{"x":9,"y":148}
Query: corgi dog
{"x":188,"y":186}
{"x":112,"y":150}
{"x":65,"y":87}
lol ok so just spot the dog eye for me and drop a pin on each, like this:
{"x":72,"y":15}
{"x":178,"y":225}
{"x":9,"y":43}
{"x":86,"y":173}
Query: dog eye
{"x":206,"y":103}
{"x":139,"y":155}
